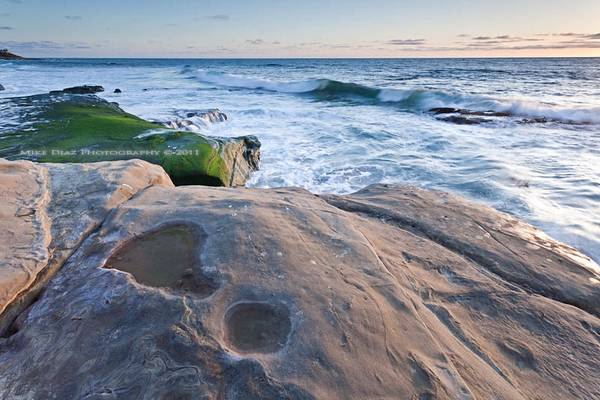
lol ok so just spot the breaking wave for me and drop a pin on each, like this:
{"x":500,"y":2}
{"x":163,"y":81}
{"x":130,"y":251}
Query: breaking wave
{"x":420,"y":100}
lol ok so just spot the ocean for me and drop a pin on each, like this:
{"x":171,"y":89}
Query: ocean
{"x":520,"y":135}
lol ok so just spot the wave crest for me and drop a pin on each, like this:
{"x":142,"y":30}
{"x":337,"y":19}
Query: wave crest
{"x":416,"y":100}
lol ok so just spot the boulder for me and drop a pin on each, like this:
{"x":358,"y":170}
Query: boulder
{"x":1,"y":88}
{"x":117,"y":90}
{"x":62,"y":127}
{"x":389,"y":293}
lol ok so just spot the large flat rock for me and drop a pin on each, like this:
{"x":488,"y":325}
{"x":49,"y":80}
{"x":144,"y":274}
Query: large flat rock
{"x":389,"y":293}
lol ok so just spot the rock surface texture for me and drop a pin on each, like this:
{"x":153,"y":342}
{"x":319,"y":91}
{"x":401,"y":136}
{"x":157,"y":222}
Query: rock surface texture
{"x":46,"y":211}
{"x":220,"y":293}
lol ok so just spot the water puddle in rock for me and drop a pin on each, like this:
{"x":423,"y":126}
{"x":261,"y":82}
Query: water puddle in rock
{"x":166,"y":258}
{"x":257,"y":327}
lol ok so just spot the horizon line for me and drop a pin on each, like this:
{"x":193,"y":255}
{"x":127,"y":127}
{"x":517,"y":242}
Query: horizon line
{"x":296,"y":58}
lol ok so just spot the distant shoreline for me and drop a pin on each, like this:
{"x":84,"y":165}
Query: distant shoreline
{"x":7,"y":55}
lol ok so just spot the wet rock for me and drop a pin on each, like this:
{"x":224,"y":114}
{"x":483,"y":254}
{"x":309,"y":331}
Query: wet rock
{"x":392,"y":292}
{"x":197,"y":121}
{"x":444,"y":110}
{"x":117,"y":90}
{"x":487,"y":113}
{"x":450,"y":110}
{"x":85,"y":89}
{"x":1,"y":88}
{"x":461,"y":120}
{"x":214,"y":115}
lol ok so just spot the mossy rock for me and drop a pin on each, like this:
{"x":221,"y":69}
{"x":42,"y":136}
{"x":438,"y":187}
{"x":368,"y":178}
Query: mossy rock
{"x":61,"y":127}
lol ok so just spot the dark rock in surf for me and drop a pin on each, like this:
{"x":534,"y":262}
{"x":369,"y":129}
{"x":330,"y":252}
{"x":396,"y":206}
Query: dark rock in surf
{"x":451,"y":110}
{"x":117,"y":91}
{"x":486,"y":113}
{"x":197,"y":120}
{"x":460,"y":120}
{"x":444,"y":110}
{"x":84,"y":89}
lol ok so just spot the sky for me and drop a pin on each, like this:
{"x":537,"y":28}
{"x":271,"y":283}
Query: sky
{"x":300,"y":28}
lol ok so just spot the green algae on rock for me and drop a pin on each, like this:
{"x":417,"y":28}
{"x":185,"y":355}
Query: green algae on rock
{"x":62,"y":127}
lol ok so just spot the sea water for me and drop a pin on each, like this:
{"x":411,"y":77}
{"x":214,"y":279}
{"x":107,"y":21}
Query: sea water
{"x":336,"y":126}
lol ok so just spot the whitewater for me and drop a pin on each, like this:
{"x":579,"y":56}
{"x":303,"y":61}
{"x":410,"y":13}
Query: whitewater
{"x":520,"y":135}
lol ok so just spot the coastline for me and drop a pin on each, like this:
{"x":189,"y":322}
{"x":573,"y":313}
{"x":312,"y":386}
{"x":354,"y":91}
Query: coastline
{"x":112,"y":264}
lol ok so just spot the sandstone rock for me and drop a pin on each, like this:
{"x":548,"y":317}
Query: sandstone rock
{"x":47,"y":210}
{"x":389,"y":293}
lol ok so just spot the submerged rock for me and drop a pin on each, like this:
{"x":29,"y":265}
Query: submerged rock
{"x":61,"y":127}
{"x":391,"y":292}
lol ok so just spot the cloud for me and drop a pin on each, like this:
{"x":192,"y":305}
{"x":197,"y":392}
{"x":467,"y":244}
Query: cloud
{"x":481,"y":42}
{"x":579,"y":44}
{"x":218,"y":17}
{"x":503,"y":39}
{"x":407,"y":42}
{"x":558,"y":46}
{"x":337,"y":46}
{"x":545,"y":41}
{"x":255,"y":42}
{"x":74,"y":17}
{"x":6,"y":28}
